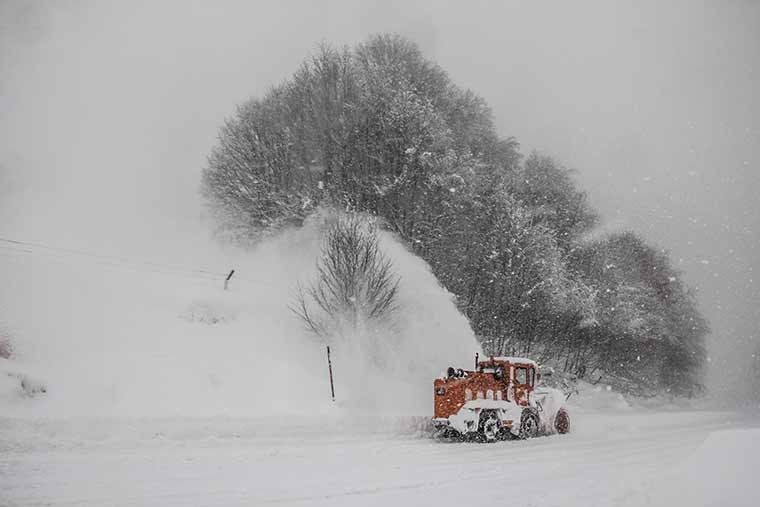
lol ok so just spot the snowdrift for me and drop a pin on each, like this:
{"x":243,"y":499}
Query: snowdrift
{"x":115,"y":336}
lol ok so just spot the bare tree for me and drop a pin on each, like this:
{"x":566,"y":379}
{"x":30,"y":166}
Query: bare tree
{"x":355,"y":284}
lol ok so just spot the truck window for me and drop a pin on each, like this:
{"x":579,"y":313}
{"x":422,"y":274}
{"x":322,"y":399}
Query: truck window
{"x":521,"y":375}
{"x":532,"y":376}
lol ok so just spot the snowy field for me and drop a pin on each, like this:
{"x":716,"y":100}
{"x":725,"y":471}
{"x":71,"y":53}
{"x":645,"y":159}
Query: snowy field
{"x":161,"y":389}
{"x":613,"y":457}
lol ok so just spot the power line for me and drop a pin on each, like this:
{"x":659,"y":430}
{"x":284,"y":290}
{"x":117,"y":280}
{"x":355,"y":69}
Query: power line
{"x":112,"y":258}
{"x":27,"y":247}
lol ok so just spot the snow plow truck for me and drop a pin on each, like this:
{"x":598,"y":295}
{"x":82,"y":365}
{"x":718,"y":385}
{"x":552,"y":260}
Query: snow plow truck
{"x":498,"y":400}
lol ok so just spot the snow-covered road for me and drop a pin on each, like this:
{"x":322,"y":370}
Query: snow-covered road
{"x":621,"y":458}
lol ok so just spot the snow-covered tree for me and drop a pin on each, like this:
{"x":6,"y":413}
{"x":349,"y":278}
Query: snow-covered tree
{"x":650,"y":330}
{"x":368,"y":129}
{"x":549,"y":189}
{"x":380,"y":129}
{"x":252,"y":179}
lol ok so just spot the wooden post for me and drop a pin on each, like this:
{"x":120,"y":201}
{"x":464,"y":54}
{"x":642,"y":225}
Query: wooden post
{"x":329,"y":368}
{"x":227,"y":280}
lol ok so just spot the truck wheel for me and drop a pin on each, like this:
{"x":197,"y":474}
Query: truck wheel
{"x":562,"y":421}
{"x":528,"y":424}
{"x":489,"y":425}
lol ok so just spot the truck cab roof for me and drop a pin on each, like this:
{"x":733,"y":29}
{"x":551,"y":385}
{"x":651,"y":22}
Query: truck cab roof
{"x":507,"y":359}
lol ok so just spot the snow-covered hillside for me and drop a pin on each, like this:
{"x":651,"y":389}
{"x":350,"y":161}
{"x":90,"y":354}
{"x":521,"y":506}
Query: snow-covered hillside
{"x":114,"y":335}
{"x":161,"y":388}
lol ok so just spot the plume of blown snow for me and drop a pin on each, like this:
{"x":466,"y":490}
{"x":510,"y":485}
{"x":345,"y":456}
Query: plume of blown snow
{"x":113,"y":336}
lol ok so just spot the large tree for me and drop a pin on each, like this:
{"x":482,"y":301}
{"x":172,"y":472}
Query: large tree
{"x":380,"y":129}
{"x":650,"y":331}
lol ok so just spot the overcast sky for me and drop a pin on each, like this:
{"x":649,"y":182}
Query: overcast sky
{"x":108,"y":109}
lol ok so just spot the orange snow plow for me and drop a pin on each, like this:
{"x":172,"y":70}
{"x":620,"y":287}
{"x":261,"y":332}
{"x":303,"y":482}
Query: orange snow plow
{"x":498,"y":400}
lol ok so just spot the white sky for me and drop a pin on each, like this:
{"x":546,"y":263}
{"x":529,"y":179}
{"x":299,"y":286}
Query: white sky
{"x":108,"y":109}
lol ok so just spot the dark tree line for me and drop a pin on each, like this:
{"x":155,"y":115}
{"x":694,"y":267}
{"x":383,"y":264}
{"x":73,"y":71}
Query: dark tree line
{"x":381,"y":129}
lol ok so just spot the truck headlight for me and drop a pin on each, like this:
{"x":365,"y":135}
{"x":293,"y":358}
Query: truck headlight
{"x":440,"y":391}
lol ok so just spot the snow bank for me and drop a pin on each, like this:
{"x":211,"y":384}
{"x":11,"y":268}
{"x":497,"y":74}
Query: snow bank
{"x":115,"y":336}
{"x":597,"y":397}
{"x":25,"y":435}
